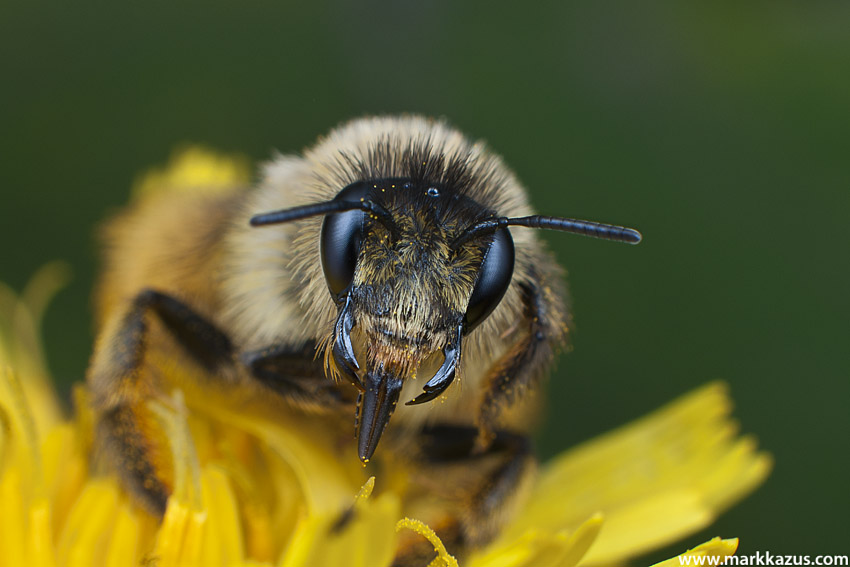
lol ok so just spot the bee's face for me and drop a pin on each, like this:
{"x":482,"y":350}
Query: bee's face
{"x":405,"y":291}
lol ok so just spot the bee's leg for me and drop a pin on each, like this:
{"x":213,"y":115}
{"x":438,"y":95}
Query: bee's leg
{"x":122,"y":384}
{"x":526,"y":361}
{"x":297,"y":374}
{"x":478,"y":489}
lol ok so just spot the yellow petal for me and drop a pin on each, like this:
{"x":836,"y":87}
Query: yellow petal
{"x":12,"y":519}
{"x":655,"y":480}
{"x":647,"y":524}
{"x":709,"y":553}
{"x":89,"y":525}
{"x":124,"y":544}
{"x":19,"y":431}
{"x":181,"y":537}
{"x":20,"y":344}
{"x":172,"y":415}
{"x":40,"y":535}
{"x":65,"y":470}
{"x":540,"y":549}
{"x":224,"y":543}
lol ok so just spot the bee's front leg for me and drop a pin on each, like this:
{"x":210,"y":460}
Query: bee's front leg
{"x":297,"y":374}
{"x":477,"y":491}
{"x":122,"y":384}
{"x":527,"y":360}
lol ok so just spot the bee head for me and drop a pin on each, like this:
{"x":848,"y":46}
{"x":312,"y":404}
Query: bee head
{"x":405,"y":290}
{"x":413,"y":267}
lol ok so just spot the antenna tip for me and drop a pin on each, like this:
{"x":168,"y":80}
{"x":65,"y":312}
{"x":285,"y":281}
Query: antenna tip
{"x":632,"y":236}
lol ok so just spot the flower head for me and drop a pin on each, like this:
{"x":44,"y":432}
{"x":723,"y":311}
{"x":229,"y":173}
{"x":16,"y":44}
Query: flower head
{"x":252,"y":489}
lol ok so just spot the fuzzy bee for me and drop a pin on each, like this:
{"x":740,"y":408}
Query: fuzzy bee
{"x":391,"y":265}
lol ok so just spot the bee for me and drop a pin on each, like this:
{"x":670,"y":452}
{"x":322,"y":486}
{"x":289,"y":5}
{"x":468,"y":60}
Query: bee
{"x":391,"y":265}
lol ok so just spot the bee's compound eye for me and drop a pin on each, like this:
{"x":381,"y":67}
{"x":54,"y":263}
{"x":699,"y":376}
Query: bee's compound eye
{"x":342,"y":234}
{"x":494,"y":277}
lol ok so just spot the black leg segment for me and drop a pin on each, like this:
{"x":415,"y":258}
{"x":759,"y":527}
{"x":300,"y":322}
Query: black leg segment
{"x":296,"y":373}
{"x":207,"y":345}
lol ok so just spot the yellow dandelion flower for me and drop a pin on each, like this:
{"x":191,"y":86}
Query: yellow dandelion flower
{"x":250,"y":490}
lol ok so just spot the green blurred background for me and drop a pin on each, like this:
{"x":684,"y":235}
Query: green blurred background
{"x":718,"y":129}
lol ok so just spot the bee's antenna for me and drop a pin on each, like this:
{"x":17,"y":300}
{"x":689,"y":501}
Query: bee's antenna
{"x":377,"y":211}
{"x":575,"y":226}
